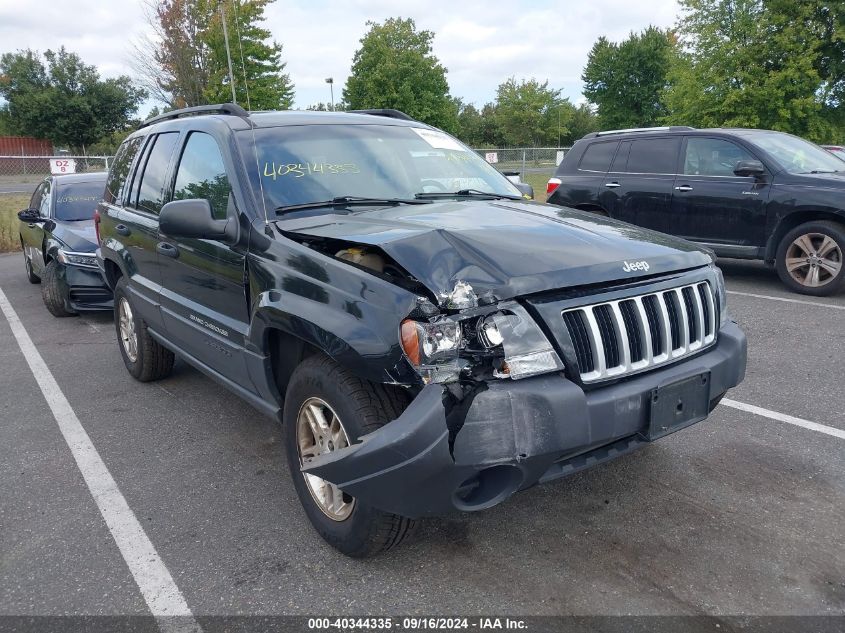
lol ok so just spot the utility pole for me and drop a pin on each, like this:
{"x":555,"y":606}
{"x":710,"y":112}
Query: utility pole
{"x":228,"y":52}
{"x":330,"y":81}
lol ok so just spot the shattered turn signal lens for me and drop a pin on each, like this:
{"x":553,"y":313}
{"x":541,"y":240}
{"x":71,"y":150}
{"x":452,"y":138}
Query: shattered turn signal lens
{"x":411,"y":341}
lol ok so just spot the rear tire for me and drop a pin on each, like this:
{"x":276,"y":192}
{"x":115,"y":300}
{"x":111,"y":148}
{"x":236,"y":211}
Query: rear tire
{"x":809,"y":258}
{"x":145,"y":358}
{"x":30,"y":275}
{"x":357,"y":407}
{"x":54,"y":291}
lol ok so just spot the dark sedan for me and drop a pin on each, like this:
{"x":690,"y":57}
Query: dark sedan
{"x":59,"y":240}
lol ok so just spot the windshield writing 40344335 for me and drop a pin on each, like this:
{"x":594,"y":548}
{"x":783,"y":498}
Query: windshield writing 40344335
{"x":298,"y":170}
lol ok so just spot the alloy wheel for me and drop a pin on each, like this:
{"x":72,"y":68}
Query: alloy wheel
{"x":319,"y":431}
{"x":128,"y":335}
{"x":814,"y":259}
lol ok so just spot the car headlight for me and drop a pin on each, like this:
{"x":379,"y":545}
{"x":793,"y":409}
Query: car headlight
{"x":510,"y":335}
{"x":721,"y":295}
{"x":527,"y":351}
{"x":77,"y":259}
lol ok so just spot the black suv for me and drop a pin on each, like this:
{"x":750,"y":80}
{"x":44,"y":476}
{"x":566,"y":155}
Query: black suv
{"x":751,"y":194}
{"x":430,"y":341}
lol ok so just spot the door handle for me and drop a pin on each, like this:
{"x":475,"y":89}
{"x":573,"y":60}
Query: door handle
{"x":683,"y":188}
{"x":167,"y":249}
{"x":122,"y":229}
{"x":612,"y":185}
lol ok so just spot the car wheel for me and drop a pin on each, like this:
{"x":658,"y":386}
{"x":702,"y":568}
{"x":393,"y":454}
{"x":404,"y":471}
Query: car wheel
{"x":27,"y":262}
{"x":809,"y":258}
{"x":54,"y":291}
{"x":326,"y":409}
{"x":144,"y":357}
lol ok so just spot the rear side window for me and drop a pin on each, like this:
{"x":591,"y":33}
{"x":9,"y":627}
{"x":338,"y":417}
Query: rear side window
{"x":151,"y":191}
{"x":597,"y":156}
{"x":120,"y":169}
{"x":201,"y":174}
{"x":654,"y":156}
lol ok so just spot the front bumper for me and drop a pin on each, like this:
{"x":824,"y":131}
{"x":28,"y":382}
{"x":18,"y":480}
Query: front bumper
{"x":86,"y":289}
{"x":510,"y":436}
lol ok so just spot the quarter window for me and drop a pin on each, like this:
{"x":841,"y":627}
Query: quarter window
{"x":597,"y":156}
{"x":202,"y":174}
{"x":653,"y":156}
{"x":713,"y":157}
{"x":120,"y":169}
{"x":151,"y":192}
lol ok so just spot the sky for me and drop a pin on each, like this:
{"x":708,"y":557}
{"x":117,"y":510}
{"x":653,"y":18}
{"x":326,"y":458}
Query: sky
{"x":481,"y":43}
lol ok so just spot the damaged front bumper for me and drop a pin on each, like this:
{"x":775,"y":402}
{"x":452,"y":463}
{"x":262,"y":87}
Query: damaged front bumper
{"x":86,"y":290}
{"x":511,"y":435}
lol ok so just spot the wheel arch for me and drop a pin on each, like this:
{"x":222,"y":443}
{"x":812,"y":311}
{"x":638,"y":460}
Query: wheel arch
{"x":793,"y":220}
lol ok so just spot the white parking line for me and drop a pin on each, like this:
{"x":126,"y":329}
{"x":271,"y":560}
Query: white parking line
{"x":151,"y":575}
{"x":781,"y":417}
{"x":785,"y":300}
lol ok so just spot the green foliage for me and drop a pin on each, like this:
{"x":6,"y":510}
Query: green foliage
{"x":395,"y":68}
{"x":625,"y":81}
{"x":189,"y":67}
{"x":774,"y":64}
{"x":64,"y":101}
{"x":529,"y":113}
{"x":270,"y":88}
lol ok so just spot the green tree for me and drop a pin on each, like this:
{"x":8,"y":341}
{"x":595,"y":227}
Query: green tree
{"x":583,"y":121}
{"x":65,"y":100}
{"x":625,"y":81}
{"x":470,"y":125}
{"x":395,"y":68}
{"x":529,"y":113}
{"x":761,"y":64}
{"x":188,"y":65}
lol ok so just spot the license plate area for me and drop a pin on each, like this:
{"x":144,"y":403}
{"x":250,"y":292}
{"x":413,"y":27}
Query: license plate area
{"x":677,"y":405}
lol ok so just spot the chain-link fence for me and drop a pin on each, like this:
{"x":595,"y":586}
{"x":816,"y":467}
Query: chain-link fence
{"x":23,"y":171}
{"x":525,"y":160}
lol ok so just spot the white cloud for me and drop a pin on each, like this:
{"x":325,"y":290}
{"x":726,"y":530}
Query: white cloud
{"x":482,"y":43}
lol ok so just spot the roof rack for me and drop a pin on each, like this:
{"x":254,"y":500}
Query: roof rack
{"x":672,"y":128}
{"x":388,"y":112}
{"x":232,"y":109}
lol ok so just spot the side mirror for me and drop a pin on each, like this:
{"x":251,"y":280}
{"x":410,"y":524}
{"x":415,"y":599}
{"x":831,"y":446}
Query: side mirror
{"x":193,"y":218}
{"x":525,"y":189}
{"x":31,"y":216}
{"x":749,"y":168}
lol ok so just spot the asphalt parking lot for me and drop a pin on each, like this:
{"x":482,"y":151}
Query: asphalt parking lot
{"x":743,"y":514}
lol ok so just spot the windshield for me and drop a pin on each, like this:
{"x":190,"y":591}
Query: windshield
{"x":313,"y":163}
{"x":796,"y":155}
{"x":838,"y":152}
{"x":77,"y":201}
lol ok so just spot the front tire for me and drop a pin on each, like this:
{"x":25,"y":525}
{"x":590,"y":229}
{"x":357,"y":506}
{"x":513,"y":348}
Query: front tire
{"x":144,"y":357}
{"x":327,"y":408}
{"x":54,"y":291}
{"x":809,"y":259}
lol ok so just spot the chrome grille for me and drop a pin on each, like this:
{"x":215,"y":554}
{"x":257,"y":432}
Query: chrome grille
{"x":616,"y":338}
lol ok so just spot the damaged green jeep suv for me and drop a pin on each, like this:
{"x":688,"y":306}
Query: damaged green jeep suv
{"x":430,"y":341}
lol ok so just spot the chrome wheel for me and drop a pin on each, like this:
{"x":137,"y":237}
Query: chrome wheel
{"x":814,"y":260}
{"x":319,"y":431}
{"x":128,"y":336}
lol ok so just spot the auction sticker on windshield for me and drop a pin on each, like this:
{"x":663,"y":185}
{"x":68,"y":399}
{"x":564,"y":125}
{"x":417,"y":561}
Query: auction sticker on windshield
{"x":439,"y":139}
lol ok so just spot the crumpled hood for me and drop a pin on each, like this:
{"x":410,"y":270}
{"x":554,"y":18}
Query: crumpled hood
{"x":503,"y":247}
{"x":78,"y":236}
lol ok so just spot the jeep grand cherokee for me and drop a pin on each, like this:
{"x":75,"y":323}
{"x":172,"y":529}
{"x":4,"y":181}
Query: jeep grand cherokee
{"x":429,"y":340}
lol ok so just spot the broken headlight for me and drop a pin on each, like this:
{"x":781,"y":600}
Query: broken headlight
{"x":527,"y":351}
{"x":432,"y":347}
